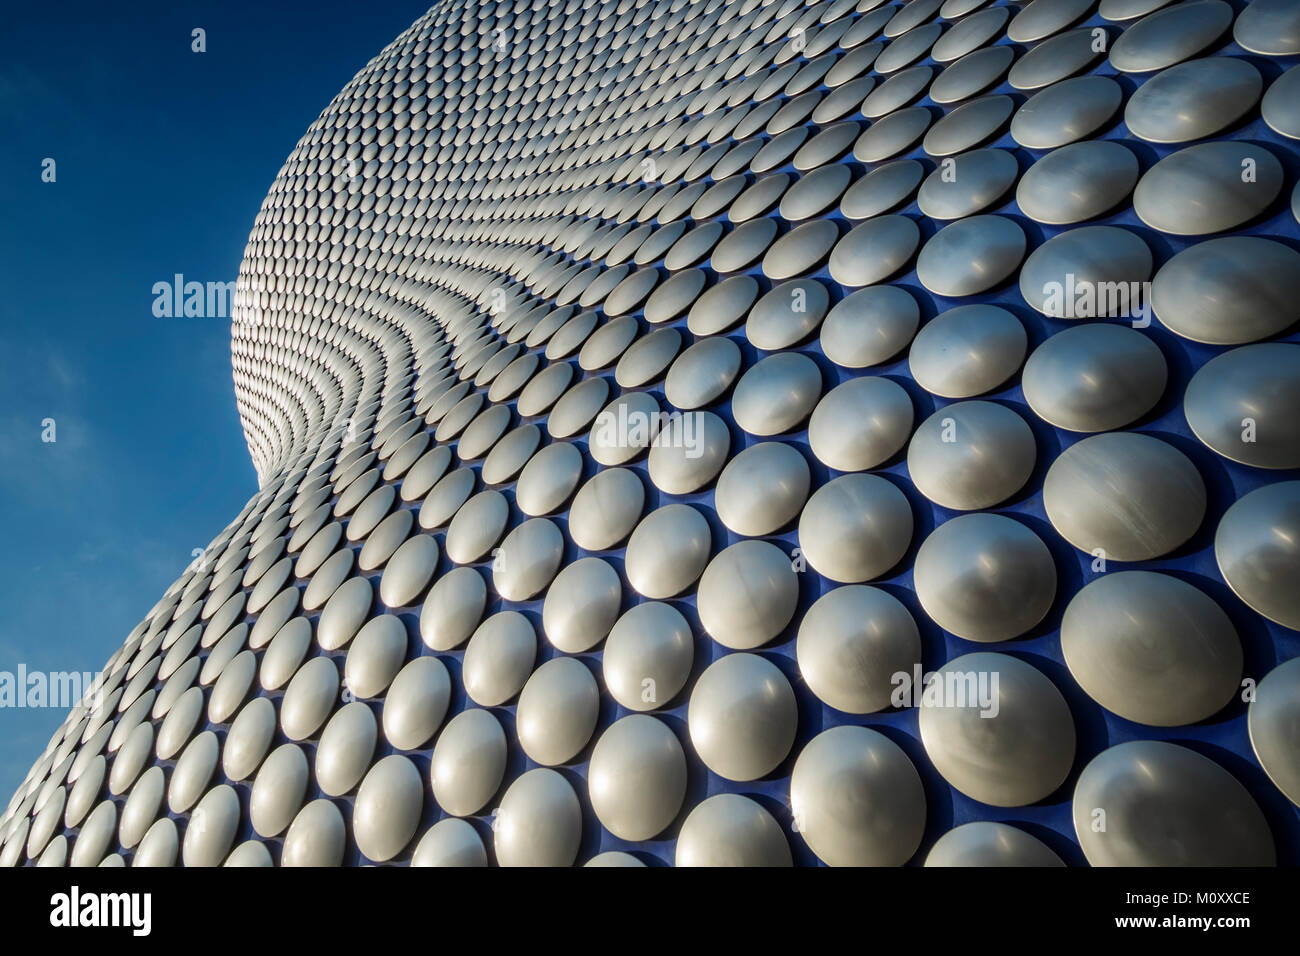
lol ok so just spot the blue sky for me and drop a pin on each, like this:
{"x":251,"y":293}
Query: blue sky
{"x":163,"y":157}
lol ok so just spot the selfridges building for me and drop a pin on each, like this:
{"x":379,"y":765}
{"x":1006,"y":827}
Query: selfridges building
{"x":747,"y":433}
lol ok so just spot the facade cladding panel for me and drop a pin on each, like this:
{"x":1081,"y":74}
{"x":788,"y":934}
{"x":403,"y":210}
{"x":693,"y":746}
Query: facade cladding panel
{"x":751,"y":433}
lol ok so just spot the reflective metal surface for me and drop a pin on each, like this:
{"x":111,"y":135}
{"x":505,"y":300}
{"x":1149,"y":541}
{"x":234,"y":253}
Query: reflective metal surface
{"x":985,"y":577}
{"x":1089,"y":272}
{"x":1066,"y":112}
{"x":1078,"y":182}
{"x":1207,"y":817}
{"x":852,"y":642}
{"x":990,"y":844}
{"x":1094,"y":377}
{"x":869,"y":326}
{"x":857,"y":799}
{"x":742,"y":716}
{"x":1151,"y":648}
{"x":1210,"y":187}
{"x":1273,"y":723}
{"x":763,"y":488}
{"x":860,"y":424}
{"x":1170,"y":35}
{"x":1256,"y":548}
{"x":971,"y":455}
{"x":1229,"y":291}
{"x":855,"y":528}
{"x":1009,"y":743}
{"x":638,"y":777}
{"x":1193,"y":100}
{"x":970,"y":256}
{"x":1124,"y":496}
{"x":1242,"y":404}
{"x":967,"y":351}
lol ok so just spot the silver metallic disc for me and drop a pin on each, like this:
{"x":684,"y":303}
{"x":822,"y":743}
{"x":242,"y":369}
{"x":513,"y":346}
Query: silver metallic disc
{"x":1087,"y":273}
{"x":893,"y":134}
{"x":762,"y":489}
{"x":724,"y":304}
{"x":973,"y":73}
{"x":499,"y":658}
{"x":375,"y":656}
{"x":581,"y":605}
{"x":970,"y":256}
{"x":450,"y":842}
{"x":477,"y":527}
{"x":1257,"y":548}
{"x":1210,"y":187}
{"x":1206,"y":816}
{"x":1274,"y":723}
{"x":1170,"y":36}
{"x":1124,"y":496}
{"x":1193,"y":100}
{"x":1094,"y":377}
{"x":1055,"y":59}
{"x":996,"y":729}
{"x":468,"y":762}
{"x":317,"y":836}
{"x":873,"y":250}
{"x":452,"y":609}
{"x":971,"y":455}
{"x":527,"y":559}
{"x":860,"y":424}
{"x":1270,"y":27}
{"x":869,"y":327}
{"x":1280,"y":107}
{"x":855,"y":528}
{"x":882,"y":189}
{"x":416,"y":703}
{"x":728,"y":829}
{"x":852,"y":642}
{"x":969,"y":125}
{"x":613,"y":858}
{"x":346,"y":748}
{"x":800,"y":249}
{"x":856,"y":799}
{"x":688,"y":452}
{"x":606,"y":509}
{"x":984,"y":577}
{"x":1243,"y":404}
{"x":668,"y":551}
{"x":1151,"y":648}
{"x":702,"y":373}
{"x":966,"y":184}
{"x":742,"y":717}
{"x":747,"y":594}
{"x":546,"y":481}
{"x":1066,"y":112}
{"x":648,"y":656}
{"x":1042,"y":18}
{"x":990,"y":844}
{"x":637,"y":777}
{"x":787,"y":314}
{"x":1077,"y":182}
{"x":557,"y":711}
{"x":539,"y":822}
{"x":967,"y":351}
{"x":776,"y":394}
{"x":1229,"y":291}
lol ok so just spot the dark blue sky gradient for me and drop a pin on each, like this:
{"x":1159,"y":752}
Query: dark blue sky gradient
{"x":163,"y":158}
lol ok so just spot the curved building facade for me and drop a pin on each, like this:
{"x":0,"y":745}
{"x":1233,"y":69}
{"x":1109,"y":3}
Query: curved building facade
{"x":741,"y":432}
